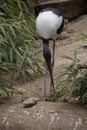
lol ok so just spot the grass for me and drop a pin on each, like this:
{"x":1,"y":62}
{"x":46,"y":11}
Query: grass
{"x":17,"y":34}
{"x":72,"y":80}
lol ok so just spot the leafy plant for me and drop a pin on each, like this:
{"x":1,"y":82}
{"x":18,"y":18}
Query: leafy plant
{"x":83,"y":36}
{"x":73,"y":79}
{"x":17,"y":37}
{"x":16,"y":41}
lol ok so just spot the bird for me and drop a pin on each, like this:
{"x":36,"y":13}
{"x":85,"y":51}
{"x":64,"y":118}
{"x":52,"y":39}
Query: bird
{"x":49,"y":24}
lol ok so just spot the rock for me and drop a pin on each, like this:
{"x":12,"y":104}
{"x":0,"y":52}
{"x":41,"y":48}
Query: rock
{"x":30,"y":102}
{"x":69,"y":8}
{"x":43,"y":116}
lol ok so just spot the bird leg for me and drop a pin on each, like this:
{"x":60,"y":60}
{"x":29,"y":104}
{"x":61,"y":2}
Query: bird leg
{"x":53,"y":54}
{"x":52,"y":83}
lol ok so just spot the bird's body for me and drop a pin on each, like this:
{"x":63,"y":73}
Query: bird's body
{"x":49,"y":24}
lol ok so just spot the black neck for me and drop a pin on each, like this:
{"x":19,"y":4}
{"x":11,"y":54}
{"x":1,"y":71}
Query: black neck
{"x":47,"y":57}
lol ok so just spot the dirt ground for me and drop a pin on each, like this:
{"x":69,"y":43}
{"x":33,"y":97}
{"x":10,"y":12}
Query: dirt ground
{"x":48,"y":115}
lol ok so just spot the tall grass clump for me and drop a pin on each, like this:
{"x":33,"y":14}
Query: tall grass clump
{"x":73,"y":78}
{"x":16,"y":43}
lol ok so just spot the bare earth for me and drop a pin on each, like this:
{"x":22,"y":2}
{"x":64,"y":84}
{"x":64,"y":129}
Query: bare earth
{"x":49,"y":115}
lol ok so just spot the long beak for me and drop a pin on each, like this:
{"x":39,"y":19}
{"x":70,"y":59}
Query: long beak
{"x":47,"y":57}
{"x":48,"y":62}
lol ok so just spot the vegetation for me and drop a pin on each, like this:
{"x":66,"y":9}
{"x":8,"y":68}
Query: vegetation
{"x":73,"y":78}
{"x":16,"y":44}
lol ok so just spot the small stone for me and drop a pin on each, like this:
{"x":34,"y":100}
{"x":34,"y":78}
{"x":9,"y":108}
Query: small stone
{"x":30,"y":102}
